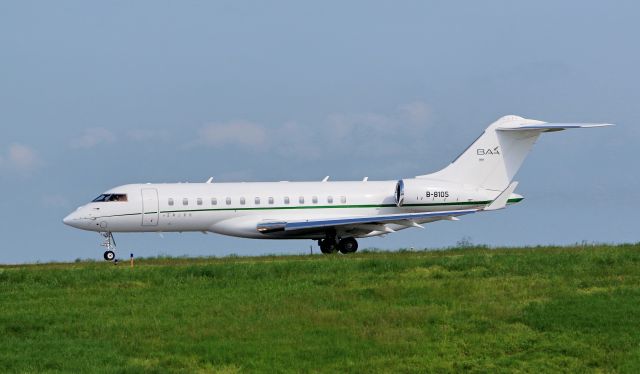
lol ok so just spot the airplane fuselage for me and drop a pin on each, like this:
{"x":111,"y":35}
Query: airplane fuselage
{"x":236,"y":209}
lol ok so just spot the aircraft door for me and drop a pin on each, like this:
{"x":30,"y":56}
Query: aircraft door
{"x":150,"y":207}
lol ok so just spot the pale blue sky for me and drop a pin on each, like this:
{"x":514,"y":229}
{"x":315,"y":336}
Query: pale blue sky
{"x":98,"y":94}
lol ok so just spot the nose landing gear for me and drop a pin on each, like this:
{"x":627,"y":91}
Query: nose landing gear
{"x":109,"y":255}
{"x":110,"y":244}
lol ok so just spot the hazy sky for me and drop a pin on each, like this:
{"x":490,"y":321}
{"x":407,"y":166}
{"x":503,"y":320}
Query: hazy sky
{"x":98,"y":94}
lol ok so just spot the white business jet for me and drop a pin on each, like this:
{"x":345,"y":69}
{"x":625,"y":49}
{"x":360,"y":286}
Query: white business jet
{"x":333,"y":213}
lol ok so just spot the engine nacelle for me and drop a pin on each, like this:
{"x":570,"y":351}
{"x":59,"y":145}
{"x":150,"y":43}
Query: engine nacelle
{"x":419,"y":191}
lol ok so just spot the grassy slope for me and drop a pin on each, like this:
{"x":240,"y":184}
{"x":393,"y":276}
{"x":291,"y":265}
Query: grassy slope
{"x":549,"y":309}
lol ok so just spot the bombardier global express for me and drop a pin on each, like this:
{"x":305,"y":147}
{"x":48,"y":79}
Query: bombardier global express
{"x":333,"y":213}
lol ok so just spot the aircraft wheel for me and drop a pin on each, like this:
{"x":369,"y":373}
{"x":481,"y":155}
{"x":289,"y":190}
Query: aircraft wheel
{"x":327,"y":246}
{"x":109,"y":255}
{"x":348,"y":245}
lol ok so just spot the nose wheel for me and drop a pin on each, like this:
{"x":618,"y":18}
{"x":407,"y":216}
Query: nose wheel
{"x":110,"y":244}
{"x":109,"y":255}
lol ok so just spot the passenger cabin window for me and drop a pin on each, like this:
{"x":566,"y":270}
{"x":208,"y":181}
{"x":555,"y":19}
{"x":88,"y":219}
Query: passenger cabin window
{"x":170,"y":202}
{"x":228,"y":201}
{"x":110,"y":197}
{"x":199,"y":201}
{"x":286,"y":200}
{"x":271,"y":201}
{"x":242,"y":201}
{"x":330,"y":199}
{"x":301,"y":199}
{"x":185,"y":201}
{"x":257,"y":201}
{"x":314,"y":199}
{"x":343,"y":199}
{"x":214,"y":201}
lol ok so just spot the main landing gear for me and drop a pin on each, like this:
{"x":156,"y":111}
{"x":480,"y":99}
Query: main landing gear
{"x":344,"y":245}
{"x":110,"y":244}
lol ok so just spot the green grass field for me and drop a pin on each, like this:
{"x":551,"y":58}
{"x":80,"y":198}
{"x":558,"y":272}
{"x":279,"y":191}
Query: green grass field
{"x":501,"y":310}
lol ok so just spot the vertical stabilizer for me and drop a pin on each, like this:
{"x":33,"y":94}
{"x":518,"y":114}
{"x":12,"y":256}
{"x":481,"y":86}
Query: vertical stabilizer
{"x":494,"y":158}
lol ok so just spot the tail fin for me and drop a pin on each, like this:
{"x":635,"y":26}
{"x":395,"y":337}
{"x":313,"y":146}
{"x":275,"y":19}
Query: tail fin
{"x":494,"y":158}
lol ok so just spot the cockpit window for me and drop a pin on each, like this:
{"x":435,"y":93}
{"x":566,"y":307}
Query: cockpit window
{"x":118,"y":197}
{"x":111,"y":197}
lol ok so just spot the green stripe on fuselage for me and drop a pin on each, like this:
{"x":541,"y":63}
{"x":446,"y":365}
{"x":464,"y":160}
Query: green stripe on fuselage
{"x":485,"y":202}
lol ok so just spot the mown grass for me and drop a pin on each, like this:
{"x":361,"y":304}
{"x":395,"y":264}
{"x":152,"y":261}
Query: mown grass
{"x":477,"y":310}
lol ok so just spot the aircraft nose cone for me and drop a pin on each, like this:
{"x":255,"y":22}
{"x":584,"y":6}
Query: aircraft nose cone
{"x":67,"y":220}
{"x":71,"y":220}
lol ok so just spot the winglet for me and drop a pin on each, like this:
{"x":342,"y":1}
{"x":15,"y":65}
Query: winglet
{"x":501,"y":201}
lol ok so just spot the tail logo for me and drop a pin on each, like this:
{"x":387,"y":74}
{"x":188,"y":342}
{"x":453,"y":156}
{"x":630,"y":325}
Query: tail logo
{"x":488,"y":151}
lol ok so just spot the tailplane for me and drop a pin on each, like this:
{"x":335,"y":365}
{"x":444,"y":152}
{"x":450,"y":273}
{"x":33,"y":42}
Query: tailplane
{"x":494,"y":158}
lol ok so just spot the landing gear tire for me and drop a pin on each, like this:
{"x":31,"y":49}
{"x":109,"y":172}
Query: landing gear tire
{"x":109,"y":243}
{"x":327,"y":246}
{"x":109,"y":255}
{"x":348,"y":245}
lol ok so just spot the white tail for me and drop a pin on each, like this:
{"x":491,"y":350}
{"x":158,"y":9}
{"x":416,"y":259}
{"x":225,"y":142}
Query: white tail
{"x":495,"y":157}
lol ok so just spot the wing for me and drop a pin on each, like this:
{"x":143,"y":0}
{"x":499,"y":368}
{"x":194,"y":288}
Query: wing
{"x":362,"y":225}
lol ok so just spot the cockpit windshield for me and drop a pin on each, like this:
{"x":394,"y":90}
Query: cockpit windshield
{"x":110,"y":197}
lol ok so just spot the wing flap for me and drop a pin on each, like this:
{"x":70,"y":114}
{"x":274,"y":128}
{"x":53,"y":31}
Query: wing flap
{"x":406,"y":219}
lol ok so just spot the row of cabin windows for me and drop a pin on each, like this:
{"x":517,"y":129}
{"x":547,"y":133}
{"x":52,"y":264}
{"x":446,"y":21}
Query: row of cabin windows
{"x":256,"y":201}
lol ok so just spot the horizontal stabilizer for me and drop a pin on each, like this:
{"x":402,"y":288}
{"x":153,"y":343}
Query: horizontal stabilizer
{"x":501,"y":201}
{"x":550,"y":127}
